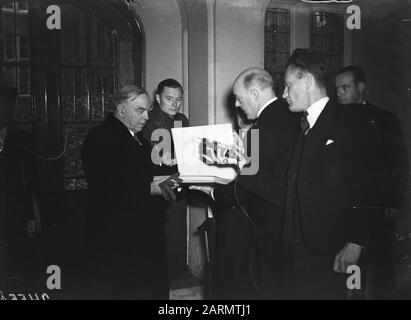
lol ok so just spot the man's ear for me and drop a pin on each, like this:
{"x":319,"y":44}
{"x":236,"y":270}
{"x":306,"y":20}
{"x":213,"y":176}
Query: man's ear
{"x":361,"y":87}
{"x":309,"y":80}
{"x":158,"y":98}
{"x":254,"y":93}
{"x":120,"y":109}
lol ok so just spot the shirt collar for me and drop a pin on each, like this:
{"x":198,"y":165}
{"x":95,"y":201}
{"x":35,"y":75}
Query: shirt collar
{"x":315,"y":110}
{"x":117,"y":120}
{"x":266,"y":105}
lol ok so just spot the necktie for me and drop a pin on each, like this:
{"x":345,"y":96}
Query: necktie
{"x":305,"y":126}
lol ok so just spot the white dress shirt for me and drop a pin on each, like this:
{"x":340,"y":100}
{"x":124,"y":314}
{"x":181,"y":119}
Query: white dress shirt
{"x":315,"y":110}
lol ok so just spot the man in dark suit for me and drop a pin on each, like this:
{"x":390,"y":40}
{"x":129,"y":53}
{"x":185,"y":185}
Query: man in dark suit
{"x":391,"y":165}
{"x":17,"y":183}
{"x":260,"y":195}
{"x":384,"y":126}
{"x":126,"y":238}
{"x":329,"y":199}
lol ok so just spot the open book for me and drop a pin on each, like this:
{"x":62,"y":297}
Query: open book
{"x":187,"y":146}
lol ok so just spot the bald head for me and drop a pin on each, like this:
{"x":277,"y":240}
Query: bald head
{"x":252,"y":89}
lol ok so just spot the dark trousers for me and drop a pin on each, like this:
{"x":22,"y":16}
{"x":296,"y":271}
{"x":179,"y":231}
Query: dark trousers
{"x":176,"y":237}
{"x":311,"y":276}
{"x":232,"y":268}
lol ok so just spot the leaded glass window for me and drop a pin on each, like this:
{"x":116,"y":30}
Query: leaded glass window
{"x":277,"y":45}
{"x":88,"y":82}
{"x":15,"y":60}
{"x":66,"y":79}
{"x":327,"y":35}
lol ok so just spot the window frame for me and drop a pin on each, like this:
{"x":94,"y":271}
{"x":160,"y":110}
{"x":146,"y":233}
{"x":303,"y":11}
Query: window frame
{"x":298,"y":12}
{"x":341,"y":9}
{"x":276,"y":6}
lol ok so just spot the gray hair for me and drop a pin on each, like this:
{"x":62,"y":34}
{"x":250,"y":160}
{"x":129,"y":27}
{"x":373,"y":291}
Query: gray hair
{"x":259,"y":77}
{"x":127,"y":92}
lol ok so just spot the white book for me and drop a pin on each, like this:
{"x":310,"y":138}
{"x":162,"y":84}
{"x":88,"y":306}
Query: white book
{"x":187,"y":146}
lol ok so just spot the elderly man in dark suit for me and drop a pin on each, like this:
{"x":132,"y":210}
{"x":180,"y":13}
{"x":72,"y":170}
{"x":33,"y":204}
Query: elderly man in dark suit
{"x":17,"y":183}
{"x":331,"y":193}
{"x":126,"y":237}
{"x":260,"y":195}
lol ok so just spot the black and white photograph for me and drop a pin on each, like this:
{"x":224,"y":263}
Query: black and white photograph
{"x":205,"y":154}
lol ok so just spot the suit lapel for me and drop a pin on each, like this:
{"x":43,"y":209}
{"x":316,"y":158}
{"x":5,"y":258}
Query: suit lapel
{"x":134,"y":150}
{"x":317,"y":136}
{"x":122,"y":130}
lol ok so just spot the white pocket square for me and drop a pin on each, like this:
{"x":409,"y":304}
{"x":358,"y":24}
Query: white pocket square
{"x":329,"y":142}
